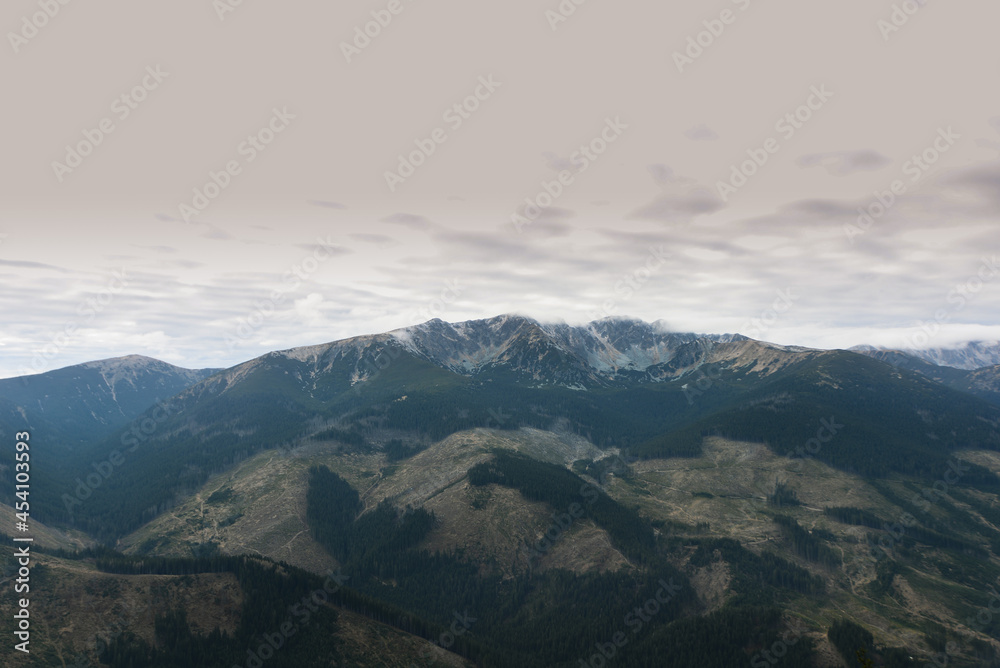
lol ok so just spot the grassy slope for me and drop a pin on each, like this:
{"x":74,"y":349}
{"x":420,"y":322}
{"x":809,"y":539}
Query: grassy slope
{"x":725,"y":488}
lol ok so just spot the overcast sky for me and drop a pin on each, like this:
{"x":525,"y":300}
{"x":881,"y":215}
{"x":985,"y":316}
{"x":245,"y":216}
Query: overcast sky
{"x":115,"y":113}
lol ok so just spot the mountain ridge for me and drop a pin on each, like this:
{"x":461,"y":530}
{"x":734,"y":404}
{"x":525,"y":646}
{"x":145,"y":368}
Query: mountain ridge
{"x":967,"y":356}
{"x":599,"y":344}
{"x":78,"y":403}
{"x":751,"y":473}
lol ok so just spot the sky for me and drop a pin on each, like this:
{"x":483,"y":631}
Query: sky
{"x":206,"y":182}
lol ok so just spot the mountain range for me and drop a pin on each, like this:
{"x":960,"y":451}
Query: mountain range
{"x":969,"y":356}
{"x":847,"y":498}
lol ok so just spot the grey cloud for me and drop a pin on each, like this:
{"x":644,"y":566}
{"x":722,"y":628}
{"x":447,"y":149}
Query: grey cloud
{"x":548,"y":228}
{"x":663,"y":176}
{"x":474,"y":251}
{"x":555,"y":213}
{"x":844,"y":163}
{"x":679,"y":208}
{"x":558,"y":163}
{"x":661,"y":173}
{"x":982,"y":181}
{"x":634,"y":237}
{"x":483,"y":244}
{"x":412,"y":221}
{"x":701,"y":133}
{"x":822,"y":208}
{"x":217,"y":234}
{"x":27,"y":264}
{"x":372,"y":238}
{"x":548,"y":223}
{"x":318,"y":249}
{"x":989,"y":144}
